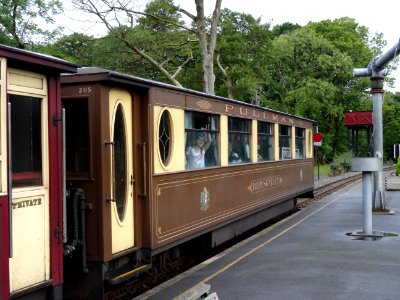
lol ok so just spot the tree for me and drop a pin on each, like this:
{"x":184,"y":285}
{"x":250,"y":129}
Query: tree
{"x":121,"y":19}
{"x":241,"y":55}
{"x":160,"y":16}
{"x":284,"y":28}
{"x":347,"y":36}
{"x":169,"y":49}
{"x":309,"y":76}
{"x":207,"y":46}
{"x":391,"y":123}
{"x":20,"y":21}
{"x":76,"y":48}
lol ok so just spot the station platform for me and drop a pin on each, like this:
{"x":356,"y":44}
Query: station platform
{"x":309,"y":255}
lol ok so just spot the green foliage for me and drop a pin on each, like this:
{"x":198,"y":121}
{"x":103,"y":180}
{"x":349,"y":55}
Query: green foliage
{"x":391,"y":123}
{"x":310,"y":74}
{"x":160,"y":16}
{"x":242,"y":51}
{"x":284,"y":28}
{"x":398,"y":166}
{"x":20,"y":21}
{"x":117,"y":52}
{"x":323,"y":171}
{"x":297,"y":59}
{"x":76,"y":48}
{"x":341,"y":163}
{"x":348,"y":37}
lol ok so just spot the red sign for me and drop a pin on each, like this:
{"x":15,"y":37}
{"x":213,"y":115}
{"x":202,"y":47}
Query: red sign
{"x":317,"y":137}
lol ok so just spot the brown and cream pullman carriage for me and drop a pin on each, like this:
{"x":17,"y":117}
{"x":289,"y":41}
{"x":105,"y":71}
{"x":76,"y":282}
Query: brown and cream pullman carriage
{"x":161,"y":165}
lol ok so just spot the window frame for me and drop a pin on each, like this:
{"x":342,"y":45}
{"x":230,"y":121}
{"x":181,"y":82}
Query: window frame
{"x":289,"y":138}
{"x":21,"y":179}
{"x":191,"y":129}
{"x":165,"y":111}
{"x":235,"y":132}
{"x":303,"y":140}
{"x":269,"y":135}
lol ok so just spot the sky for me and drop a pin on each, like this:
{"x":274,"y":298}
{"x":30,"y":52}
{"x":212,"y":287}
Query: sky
{"x":381,"y":17}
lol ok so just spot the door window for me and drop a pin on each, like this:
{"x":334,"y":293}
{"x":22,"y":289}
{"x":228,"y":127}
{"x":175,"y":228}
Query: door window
{"x":120,"y":162}
{"x":164,"y":137}
{"x":26,"y":141}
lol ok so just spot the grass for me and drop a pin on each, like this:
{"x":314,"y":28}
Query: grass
{"x":323,"y":171}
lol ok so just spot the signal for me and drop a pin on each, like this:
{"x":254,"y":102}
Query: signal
{"x":317,"y":139}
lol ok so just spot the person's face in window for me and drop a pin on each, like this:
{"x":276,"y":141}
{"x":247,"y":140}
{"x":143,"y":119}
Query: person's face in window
{"x":200,"y":142}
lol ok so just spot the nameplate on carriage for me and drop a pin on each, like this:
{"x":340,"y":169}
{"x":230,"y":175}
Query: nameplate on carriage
{"x":27,"y":203}
{"x":262,"y":184}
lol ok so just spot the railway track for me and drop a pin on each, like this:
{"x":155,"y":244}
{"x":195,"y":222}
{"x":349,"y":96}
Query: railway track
{"x":322,"y":189}
{"x":328,"y":188}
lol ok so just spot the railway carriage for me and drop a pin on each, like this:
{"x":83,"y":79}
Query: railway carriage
{"x":30,"y":174}
{"x":150,"y":166}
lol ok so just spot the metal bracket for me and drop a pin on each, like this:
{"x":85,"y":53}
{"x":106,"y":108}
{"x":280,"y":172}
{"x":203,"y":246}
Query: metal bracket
{"x":57,"y":232}
{"x":56,"y":119}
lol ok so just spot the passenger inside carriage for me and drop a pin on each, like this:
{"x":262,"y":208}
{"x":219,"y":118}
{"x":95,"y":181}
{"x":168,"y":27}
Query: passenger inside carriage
{"x":201,"y":140}
{"x":233,"y":157}
{"x":195,"y":155}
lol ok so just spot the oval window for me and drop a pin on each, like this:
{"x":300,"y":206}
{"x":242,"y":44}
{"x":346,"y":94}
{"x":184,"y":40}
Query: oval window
{"x":164,"y":137}
{"x":120,"y":161}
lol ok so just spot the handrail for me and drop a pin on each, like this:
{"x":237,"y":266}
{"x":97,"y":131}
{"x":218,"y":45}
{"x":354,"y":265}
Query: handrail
{"x":64,"y":177}
{"x":9,"y":185}
{"x":144,"y":148}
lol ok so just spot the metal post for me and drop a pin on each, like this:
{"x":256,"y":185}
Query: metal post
{"x":367,"y":202}
{"x":376,"y":73}
{"x":317,"y":163}
{"x":366,"y":165}
{"x":377,"y":96}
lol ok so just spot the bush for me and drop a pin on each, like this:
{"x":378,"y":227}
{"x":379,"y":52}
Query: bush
{"x":341,"y":164}
{"x":398,"y":166}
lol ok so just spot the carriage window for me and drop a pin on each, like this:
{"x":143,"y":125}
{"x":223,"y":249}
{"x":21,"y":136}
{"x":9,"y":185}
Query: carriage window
{"x":202,"y":137}
{"x":26,"y":141}
{"x":239,"y":140}
{"x":119,"y":159}
{"x":77,"y":135}
{"x":300,"y":142}
{"x":285,"y":151}
{"x":265,"y":144}
{"x":164,"y":137}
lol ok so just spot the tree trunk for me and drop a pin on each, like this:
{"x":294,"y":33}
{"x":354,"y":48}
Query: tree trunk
{"x":227,"y":79}
{"x":207,"y":49}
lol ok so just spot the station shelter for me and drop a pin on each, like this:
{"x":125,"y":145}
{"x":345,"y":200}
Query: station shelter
{"x":359,"y":123}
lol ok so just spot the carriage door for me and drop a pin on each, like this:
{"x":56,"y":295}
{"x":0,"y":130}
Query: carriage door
{"x":122,"y":177}
{"x":27,"y":98}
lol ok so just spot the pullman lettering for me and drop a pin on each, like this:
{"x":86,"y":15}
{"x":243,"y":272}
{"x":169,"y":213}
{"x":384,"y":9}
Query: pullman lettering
{"x":259,"y":114}
{"x":26,"y":203}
